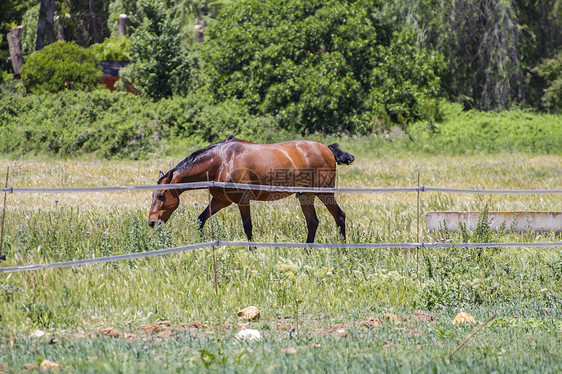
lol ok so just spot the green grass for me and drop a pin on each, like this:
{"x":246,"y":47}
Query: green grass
{"x":415,"y":347}
{"x":315,"y":301}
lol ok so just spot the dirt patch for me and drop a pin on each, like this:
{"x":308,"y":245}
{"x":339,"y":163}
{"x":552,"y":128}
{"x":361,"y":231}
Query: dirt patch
{"x":153,"y":329}
{"x":289,"y":351}
{"x":110,"y":332}
{"x":284,"y":326}
{"x":423,"y":317}
{"x":162,"y":331}
{"x":371,"y":322}
{"x":196,"y":325}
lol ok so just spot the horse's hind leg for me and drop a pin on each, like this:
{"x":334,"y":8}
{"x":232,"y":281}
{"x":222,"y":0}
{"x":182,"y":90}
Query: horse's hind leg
{"x":339,"y":216}
{"x":215,"y":205}
{"x":307,"y":206}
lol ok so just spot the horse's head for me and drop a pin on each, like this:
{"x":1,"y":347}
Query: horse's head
{"x":164,"y":202}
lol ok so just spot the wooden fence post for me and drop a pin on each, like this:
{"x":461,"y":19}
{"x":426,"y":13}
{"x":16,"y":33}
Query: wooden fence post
{"x":3,"y":256}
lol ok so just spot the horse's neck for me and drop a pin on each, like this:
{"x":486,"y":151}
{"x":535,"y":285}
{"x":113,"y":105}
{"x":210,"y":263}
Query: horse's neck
{"x":201,"y":171}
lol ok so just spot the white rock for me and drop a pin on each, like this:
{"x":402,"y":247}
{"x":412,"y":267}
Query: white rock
{"x":248,"y":334}
{"x":37,"y":334}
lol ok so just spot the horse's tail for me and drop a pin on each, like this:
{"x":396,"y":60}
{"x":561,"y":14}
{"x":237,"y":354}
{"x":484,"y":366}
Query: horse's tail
{"x":342,"y":157}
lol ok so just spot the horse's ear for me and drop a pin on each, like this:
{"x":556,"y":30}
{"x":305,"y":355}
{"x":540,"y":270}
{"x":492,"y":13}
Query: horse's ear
{"x":161,"y":175}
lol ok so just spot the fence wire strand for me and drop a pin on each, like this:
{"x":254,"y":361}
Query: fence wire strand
{"x":220,"y":243}
{"x":99,"y":260}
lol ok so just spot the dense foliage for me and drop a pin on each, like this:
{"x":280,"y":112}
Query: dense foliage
{"x":116,"y":125}
{"x":121,"y":125}
{"x":269,"y":69}
{"x":317,"y":65}
{"x":61,"y":66}
{"x":490,"y":47}
{"x":115,"y":49}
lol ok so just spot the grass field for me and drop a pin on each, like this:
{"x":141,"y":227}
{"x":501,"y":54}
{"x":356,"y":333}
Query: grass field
{"x":321,"y":310}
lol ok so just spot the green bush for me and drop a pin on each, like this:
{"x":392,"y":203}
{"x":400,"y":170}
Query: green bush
{"x":116,"y":49}
{"x":121,"y":125}
{"x":118,"y":124}
{"x":196,"y":117}
{"x":60,"y":66}
{"x":72,"y":123}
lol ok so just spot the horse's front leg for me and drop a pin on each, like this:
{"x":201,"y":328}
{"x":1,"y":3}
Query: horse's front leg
{"x":211,"y":209}
{"x":246,"y":221}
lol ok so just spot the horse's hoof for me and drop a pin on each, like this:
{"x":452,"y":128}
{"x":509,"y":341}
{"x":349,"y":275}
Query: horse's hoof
{"x":251,"y":249}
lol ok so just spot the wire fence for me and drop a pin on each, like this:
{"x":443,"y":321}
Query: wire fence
{"x":238,"y":186}
{"x":261,"y":187}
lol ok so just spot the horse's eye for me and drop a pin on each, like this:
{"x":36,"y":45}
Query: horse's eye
{"x":160,"y":196}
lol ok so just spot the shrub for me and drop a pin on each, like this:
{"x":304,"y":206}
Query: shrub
{"x":195,"y":116}
{"x":72,"y":123}
{"x":61,"y":66}
{"x":551,"y":71}
{"x":118,"y":124}
{"x":121,"y":125}
{"x":116,"y":49}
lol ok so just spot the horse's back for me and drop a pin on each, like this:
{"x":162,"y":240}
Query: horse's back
{"x":299,"y":163}
{"x":294,"y":154}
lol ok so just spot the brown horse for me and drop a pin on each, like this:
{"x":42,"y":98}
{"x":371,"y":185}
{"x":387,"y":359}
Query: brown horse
{"x":298,"y":163}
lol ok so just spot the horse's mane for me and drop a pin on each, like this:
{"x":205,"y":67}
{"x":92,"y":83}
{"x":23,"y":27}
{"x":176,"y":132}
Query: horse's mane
{"x":189,"y":160}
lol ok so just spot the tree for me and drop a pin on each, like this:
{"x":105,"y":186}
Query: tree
{"x":313,"y":64}
{"x":490,"y":46}
{"x":158,"y":58}
{"x":11,"y":14}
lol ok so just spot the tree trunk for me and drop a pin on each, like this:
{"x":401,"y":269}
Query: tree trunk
{"x":94,"y":23}
{"x":14,"y":42}
{"x":45,"y":34}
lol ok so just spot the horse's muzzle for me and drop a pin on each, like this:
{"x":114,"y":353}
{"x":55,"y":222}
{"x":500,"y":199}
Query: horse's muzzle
{"x":152,"y":223}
